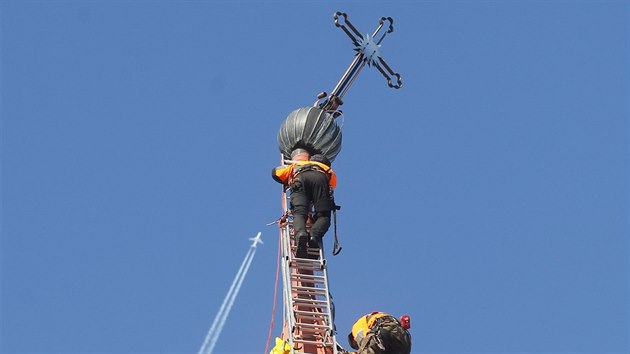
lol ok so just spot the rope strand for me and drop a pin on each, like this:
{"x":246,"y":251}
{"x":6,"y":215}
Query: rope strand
{"x":275,"y":298}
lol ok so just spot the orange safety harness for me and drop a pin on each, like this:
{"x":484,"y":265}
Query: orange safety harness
{"x":288,"y":175}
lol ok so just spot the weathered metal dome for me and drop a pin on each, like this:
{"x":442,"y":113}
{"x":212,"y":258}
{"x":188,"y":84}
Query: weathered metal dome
{"x":312,"y":129}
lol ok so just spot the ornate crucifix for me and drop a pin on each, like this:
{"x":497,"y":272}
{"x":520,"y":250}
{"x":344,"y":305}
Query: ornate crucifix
{"x":367,"y":53}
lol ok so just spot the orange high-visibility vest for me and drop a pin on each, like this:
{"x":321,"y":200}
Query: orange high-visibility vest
{"x":287,"y":174}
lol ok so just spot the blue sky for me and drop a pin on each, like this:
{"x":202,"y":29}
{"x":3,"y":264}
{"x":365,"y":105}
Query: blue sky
{"x":487,"y":199}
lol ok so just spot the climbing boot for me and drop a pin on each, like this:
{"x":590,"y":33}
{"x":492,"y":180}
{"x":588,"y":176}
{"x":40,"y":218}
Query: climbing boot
{"x":302,"y":243}
{"x":314,"y":243}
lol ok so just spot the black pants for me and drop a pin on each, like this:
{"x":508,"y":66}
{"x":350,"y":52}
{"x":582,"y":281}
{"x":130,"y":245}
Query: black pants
{"x":311,"y":187}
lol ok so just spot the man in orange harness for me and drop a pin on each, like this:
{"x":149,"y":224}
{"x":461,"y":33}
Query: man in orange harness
{"x":380,"y":333}
{"x":311,"y":181}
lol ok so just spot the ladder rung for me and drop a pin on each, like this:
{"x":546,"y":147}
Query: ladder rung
{"x":306,"y":279}
{"x":308,"y":319}
{"x":314,"y":269}
{"x":310,"y":267}
{"x":309,"y":283}
{"x":315,"y":338}
{"x":307,"y":295}
{"x":313,"y":306}
{"x":307,"y":271}
{"x":315,"y":331}
{"x":311,"y":316}
{"x":323,"y":344}
{"x":311,"y":277}
{"x":322,"y":291}
{"x":301,"y":287}
{"x":310,"y":312}
{"x":307,"y":261}
{"x":309,"y":336}
{"x":305,"y":286}
{"x":307,"y":315}
{"x":322,"y":327}
{"x":307,"y":298}
{"x":312,"y":325}
{"x":306,"y":268}
{"x":323,"y":330}
{"x":307,"y":301}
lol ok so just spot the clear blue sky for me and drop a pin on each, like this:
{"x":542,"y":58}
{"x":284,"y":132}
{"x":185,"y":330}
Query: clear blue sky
{"x":487,"y":199}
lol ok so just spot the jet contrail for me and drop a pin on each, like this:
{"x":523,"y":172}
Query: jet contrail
{"x":227,"y":311}
{"x":229,"y":295}
{"x":221,"y":317}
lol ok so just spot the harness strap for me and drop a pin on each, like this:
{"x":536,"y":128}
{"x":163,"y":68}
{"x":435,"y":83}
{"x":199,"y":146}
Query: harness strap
{"x":379,"y":324}
{"x":309,"y":167}
{"x":336,"y":245}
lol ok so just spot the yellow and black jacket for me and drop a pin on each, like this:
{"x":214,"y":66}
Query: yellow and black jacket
{"x":379,"y":332}
{"x":362,"y":326}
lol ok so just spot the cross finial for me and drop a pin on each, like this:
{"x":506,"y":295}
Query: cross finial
{"x":367,"y":52}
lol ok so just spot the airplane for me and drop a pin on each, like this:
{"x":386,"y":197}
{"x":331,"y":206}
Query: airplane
{"x":256,"y":240}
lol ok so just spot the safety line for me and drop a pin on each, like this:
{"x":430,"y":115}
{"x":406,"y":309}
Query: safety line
{"x":275,"y":297}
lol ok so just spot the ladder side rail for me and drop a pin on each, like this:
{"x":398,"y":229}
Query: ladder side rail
{"x":331,"y":322}
{"x":285,"y":239}
{"x":288,"y":306}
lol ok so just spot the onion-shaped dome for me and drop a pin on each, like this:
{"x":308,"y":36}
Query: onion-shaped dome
{"x":312,"y":129}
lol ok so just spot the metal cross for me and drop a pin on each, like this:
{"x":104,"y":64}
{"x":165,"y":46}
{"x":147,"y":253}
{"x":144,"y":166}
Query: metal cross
{"x":367,"y":52}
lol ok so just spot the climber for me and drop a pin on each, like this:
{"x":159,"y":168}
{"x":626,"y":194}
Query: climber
{"x":311,"y":181}
{"x":380,"y":333}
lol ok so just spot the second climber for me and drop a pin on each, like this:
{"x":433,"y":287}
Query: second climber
{"x":312,"y":181}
